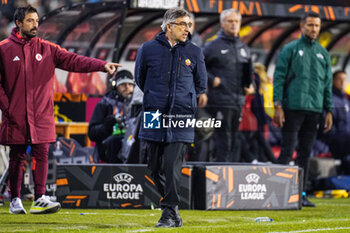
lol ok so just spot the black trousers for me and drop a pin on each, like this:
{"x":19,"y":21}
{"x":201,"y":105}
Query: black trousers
{"x":300,"y":128}
{"x":165,"y":161}
{"x":340,"y":148}
{"x":225,"y":137}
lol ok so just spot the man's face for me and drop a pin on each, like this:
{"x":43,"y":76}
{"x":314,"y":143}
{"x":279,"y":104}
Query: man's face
{"x":311,"y":27}
{"x":126,"y":90}
{"x":178,"y":30}
{"x":29,"y":27}
{"x":339,"y":81}
{"x":231,"y":24}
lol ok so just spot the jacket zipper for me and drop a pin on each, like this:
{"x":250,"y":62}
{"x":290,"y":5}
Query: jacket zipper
{"x":174,"y":82}
{"x":178,"y":72}
{"x":178,"y":68}
{"x":7,"y":131}
{"x":236,"y":61}
{"x":169,"y":91}
{"x":174,"y":90}
{"x":170,"y":72}
{"x":26,"y":99}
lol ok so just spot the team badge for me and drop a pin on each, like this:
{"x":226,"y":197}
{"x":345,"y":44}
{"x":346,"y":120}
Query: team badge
{"x":243,"y":52}
{"x":301,"y":53}
{"x":319,"y":56}
{"x":188,"y":62}
{"x":38,"y":57}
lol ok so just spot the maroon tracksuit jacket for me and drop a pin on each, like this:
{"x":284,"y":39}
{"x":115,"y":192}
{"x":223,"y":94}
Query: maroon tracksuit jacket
{"x":27,"y":69}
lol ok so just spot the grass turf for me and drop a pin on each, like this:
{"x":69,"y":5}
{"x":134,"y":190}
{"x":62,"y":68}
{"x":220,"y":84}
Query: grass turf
{"x":330,"y":215}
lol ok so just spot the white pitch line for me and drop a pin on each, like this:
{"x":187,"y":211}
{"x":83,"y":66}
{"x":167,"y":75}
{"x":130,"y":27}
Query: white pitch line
{"x":335,"y":204}
{"x":130,"y":214}
{"x":313,"y":230}
{"x":19,"y":230}
{"x":141,"y":230}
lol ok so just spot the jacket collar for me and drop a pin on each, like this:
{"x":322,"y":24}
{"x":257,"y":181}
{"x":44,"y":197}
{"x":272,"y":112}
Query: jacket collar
{"x":337,"y":92}
{"x":164,"y":40}
{"x":222,"y":35}
{"x":17,"y":38}
{"x":307,"y":40}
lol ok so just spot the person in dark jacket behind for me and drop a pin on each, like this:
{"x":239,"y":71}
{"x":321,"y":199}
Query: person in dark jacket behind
{"x":195,"y":37}
{"x":106,"y":126}
{"x":170,"y":71}
{"x":338,"y":137}
{"x":27,"y":68}
{"x":230,"y":71}
{"x":302,"y":90}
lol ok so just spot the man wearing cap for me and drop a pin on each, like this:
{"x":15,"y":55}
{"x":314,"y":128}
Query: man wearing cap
{"x":106,"y":125}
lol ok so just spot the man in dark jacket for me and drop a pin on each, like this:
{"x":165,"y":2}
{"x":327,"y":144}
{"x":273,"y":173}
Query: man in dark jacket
{"x":230,"y":70}
{"x":302,"y":91}
{"x":170,"y":71}
{"x":107,"y":123}
{"x":27,"y":68}
{"x":338,"y":137}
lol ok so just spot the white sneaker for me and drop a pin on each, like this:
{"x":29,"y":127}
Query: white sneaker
{"x":16,"y":206}
{"x":255,"y":161}
{"x":43,"y":205}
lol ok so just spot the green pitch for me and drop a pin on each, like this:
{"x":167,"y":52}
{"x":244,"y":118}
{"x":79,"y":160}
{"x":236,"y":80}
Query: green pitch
{"x":330,"y":215}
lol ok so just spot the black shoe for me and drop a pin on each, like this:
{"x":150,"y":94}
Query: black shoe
{"x":178,"y":219}
{"x":306,"y":203}
{"x":168,"y":218}
{"x":166,"y":222}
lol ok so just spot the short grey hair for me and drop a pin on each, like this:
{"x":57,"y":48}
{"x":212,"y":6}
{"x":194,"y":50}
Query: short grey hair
{"x":171,"y":15}
{"x":191,"y":15}
{"x":226,"y":12}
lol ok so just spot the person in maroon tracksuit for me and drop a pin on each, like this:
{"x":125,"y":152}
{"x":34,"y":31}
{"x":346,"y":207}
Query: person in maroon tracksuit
{"x":27,"y":68}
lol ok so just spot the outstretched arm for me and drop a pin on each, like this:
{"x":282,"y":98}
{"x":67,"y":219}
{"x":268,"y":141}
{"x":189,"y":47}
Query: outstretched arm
{"x":76,"y":63}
